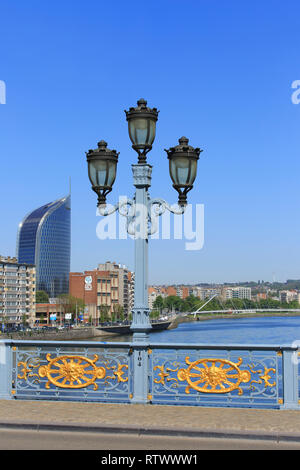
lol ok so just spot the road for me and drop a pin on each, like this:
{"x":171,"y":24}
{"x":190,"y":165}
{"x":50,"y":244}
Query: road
{"x":18,"y":439}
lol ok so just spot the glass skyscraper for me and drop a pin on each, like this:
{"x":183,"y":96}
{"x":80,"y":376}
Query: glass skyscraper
{"x":44,"y":239}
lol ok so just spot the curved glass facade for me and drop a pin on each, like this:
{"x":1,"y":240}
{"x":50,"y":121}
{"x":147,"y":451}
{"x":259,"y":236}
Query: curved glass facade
{"x":44,"y":239}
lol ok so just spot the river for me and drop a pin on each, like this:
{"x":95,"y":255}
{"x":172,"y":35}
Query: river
{"x":257,"y":330}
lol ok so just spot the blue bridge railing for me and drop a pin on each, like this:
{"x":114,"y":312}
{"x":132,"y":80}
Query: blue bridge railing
{"x":256,"y":376}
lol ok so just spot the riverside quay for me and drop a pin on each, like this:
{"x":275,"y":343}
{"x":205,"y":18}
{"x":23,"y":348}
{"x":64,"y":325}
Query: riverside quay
{"x":252,"y":376}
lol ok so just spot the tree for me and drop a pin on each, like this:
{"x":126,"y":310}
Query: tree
{"x":294,"y":304}
{"x":154,"y":314}
{"x":71,"y":304}
{"x":104,"y":313}
{"x":235,"y":304}
{"x":190,"y":304}
{"x":171,"y":302}
{"x":41,"y":297}
{"x":159,"y":303}
{"x":118,"y":312}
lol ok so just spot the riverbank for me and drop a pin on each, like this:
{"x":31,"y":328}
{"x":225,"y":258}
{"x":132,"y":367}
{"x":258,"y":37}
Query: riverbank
{"x":214,"y":316}
{"x":80,"y":333}
{"x":86,"y":333}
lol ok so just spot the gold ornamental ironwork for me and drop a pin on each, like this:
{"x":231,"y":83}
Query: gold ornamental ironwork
{"x":72,"y":371}
{"x":213,"y":375}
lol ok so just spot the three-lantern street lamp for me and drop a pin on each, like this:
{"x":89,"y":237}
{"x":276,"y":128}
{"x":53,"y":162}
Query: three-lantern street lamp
{"x":102,"y":169}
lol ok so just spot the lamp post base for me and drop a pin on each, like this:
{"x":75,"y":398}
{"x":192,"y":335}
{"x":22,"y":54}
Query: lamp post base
{"x":140,"y":368}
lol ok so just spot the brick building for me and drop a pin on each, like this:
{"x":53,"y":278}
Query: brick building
{"x":109,"y":285}
{"x":45,"y":313}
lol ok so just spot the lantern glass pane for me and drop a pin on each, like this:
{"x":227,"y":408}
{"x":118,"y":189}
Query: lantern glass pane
{"x":152,"y":128}
{"x":112,"y":170}
{"x":102,"y":172}
{"x":98,"y":172}
{"x":183,"y":170}
{"x":193,"y":173}
{"x":142,"y":131}
{"x":179,"y":170}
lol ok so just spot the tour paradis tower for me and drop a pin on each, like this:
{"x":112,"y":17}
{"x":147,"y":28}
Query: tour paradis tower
{"x":44,"y":239}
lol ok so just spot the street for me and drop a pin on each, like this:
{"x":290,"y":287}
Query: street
{"x":11,"y":439}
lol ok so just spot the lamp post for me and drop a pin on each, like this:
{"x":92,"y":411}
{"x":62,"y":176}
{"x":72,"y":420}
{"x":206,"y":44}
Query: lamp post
{"x":102,"y":165}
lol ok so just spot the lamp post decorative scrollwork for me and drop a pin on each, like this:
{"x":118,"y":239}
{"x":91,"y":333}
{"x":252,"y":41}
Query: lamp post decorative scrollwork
{"x":102,"y":168}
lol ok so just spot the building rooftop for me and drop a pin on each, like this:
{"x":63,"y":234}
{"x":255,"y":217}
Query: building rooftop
{"x":13,"y":260}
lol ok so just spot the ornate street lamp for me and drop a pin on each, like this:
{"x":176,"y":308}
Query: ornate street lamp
{"x":102,"y":164}
{"x":183,"y":167}
{"x":102,"y":169}
{"x":141,"y":128}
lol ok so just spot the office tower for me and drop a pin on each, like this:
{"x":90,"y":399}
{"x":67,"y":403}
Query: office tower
{"x":44,"y":239}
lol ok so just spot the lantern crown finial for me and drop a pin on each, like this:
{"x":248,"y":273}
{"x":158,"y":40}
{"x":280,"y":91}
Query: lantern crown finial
{"x":183,"y":140}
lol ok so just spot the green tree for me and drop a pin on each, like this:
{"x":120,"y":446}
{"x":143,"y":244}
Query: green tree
{"x":235,"y":304}
{"x":190,"y":304}
{"x":71,"y":304}
{"x":172,"y":302}
{"x":41,"y":297}
{"x":118,"y":312}
{"x":294,"y":304}
{"x":159,"y":303}
{"x":154,"y":314}
{"x":104,"y":313}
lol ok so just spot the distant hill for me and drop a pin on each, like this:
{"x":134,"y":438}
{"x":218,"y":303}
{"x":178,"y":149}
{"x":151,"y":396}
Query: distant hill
{"x":290,"y":284}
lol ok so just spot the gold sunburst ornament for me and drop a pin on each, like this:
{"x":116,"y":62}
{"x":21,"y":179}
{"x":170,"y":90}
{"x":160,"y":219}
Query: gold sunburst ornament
{"x":213,"y":375}
{"x":72,"y":371}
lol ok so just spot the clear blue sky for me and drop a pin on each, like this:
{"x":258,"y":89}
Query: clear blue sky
{"x":219,"y":71}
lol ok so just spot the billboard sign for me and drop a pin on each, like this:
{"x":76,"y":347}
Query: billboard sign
{"x":88,"y":283}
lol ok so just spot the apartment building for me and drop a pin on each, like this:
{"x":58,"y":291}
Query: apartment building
{"x":131,"y":279}
{"x":165,"y":291}
{"x":17,"y":291}
{"x":236,"y":293}
{"x":261,"y":296}
{"x":286,"y":296}
{"x":105,"y":288}
{"x":182,"y":292}
{"x":152,"y":295}
{"x":207,"y":292}
{"x":122,"y":287}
